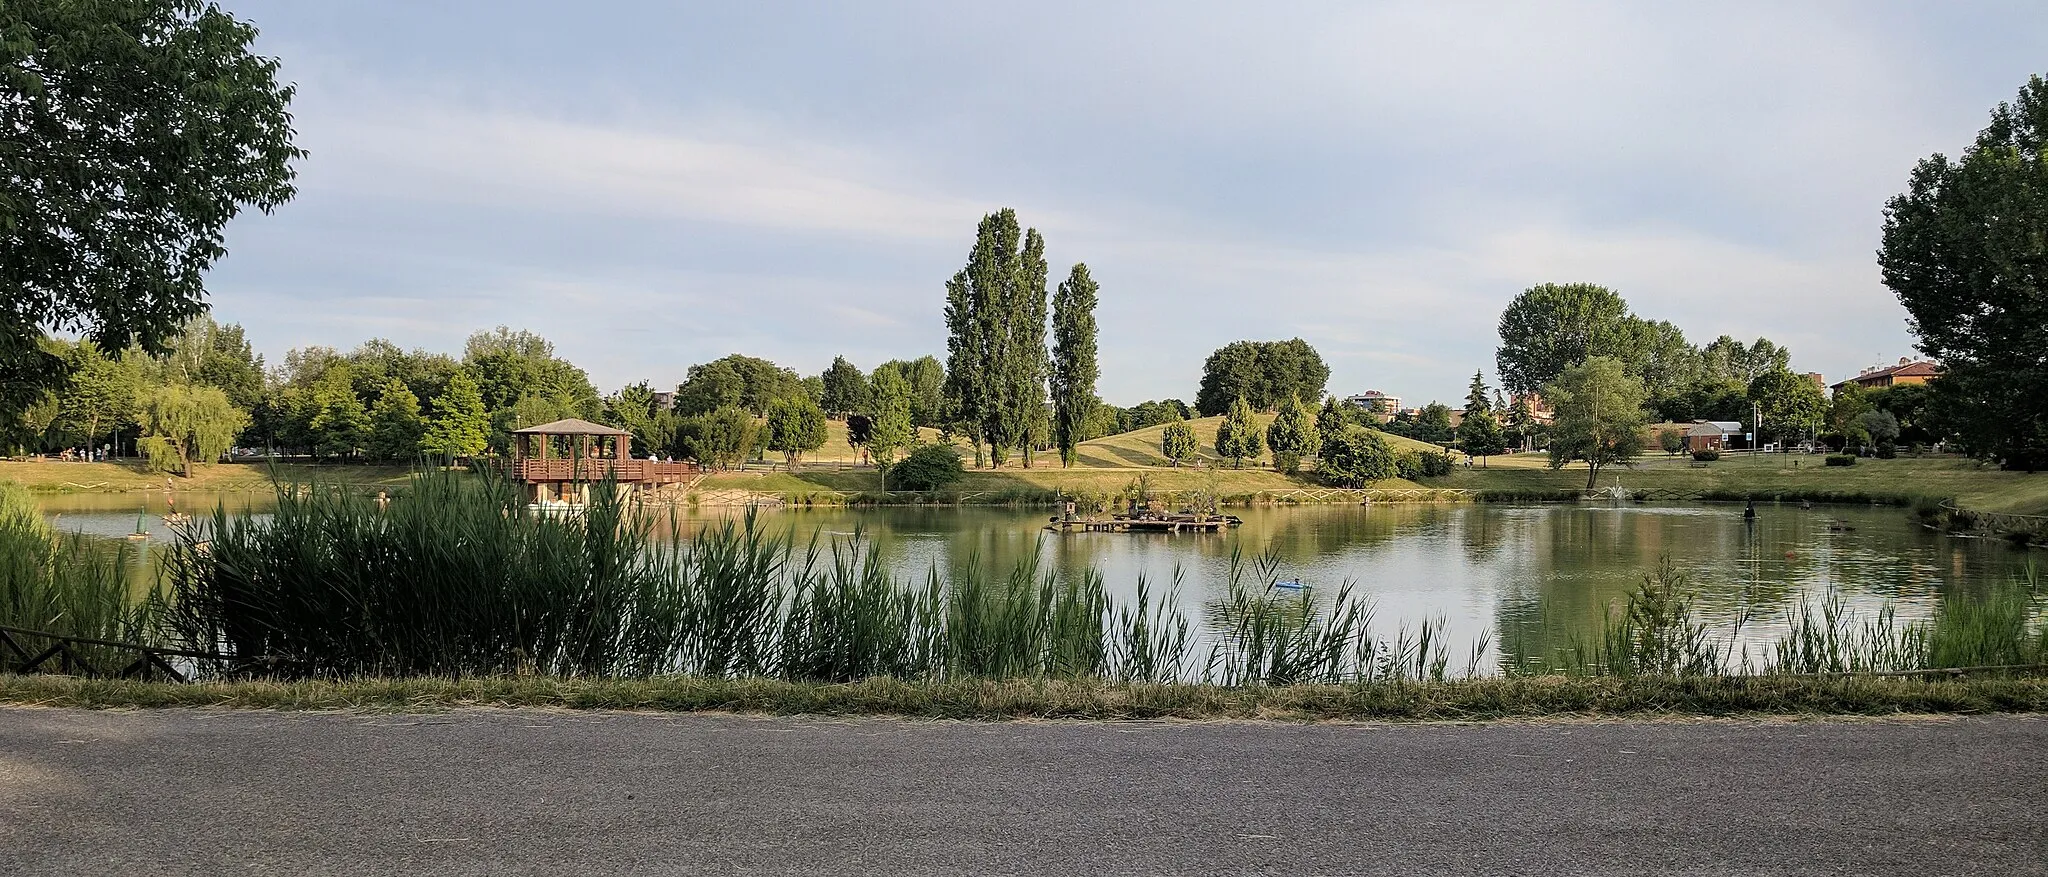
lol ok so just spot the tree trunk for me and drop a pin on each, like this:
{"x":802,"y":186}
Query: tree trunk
{"x":1592,"y":475}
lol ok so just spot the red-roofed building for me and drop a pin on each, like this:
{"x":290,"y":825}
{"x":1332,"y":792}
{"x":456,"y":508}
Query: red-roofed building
{"x":1908,"y":371}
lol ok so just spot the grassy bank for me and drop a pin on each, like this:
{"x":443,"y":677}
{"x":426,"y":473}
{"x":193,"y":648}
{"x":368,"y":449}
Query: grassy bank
{"x":1467,"y":700}
{"x":44,"y":476}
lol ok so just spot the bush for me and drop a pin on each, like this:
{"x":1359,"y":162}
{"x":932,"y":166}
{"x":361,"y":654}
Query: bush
{"x":1841,"y":459}
{"x":1706,"y":455}
{"x":927,"y":467}
{"x":1408,"y":465}
{"x":1287,"y":462}
{"x":1436,"y":465}
{"x":1887,"y":450}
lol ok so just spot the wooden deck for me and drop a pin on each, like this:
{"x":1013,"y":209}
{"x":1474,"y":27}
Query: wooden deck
{"x":624,"y":471}
{"x":1145,"y":524}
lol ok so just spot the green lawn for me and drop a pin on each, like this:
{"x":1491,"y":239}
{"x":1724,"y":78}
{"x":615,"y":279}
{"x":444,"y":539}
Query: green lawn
{"x":1973,"y":485}
{"x":44,"y":476}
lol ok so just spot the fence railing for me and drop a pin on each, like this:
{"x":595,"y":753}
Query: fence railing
{"x":64,"y":653}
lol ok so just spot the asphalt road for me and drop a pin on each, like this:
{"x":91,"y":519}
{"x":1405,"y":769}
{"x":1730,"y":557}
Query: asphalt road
{"x":536,"y":792}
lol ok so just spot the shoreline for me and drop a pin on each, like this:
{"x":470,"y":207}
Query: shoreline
{"x":1488,"y":699}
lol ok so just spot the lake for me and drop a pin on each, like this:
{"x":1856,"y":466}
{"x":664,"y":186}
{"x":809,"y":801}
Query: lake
{"x":1531,"y":578}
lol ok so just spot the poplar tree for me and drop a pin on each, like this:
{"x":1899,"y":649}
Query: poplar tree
{"x":1074,"y":369}
{"x":1025,"y":420}
{"x":976,"y":340}
{"x":890,"y":428}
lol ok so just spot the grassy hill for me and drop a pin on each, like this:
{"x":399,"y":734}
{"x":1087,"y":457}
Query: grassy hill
{"x":1140,"y":447}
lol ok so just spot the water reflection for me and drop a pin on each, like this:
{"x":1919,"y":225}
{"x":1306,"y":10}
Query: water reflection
{"x":1536,"y":576}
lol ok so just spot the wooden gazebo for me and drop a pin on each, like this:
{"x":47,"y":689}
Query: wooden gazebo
{"x":574,"y":451}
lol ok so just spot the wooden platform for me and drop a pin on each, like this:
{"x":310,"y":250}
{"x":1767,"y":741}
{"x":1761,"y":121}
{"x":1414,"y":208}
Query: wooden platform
{"x":1145,"y":524}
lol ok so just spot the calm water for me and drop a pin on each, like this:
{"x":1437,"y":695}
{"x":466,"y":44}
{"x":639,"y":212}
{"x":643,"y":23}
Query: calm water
{"x":1532,"y":576}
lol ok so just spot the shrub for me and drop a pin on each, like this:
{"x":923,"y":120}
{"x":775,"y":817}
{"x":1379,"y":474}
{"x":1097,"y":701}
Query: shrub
{"x":1408,"y":465}
{"x":927,"y":467}
{"x":1355,"y":457}
{"x":1436,"y":465}
{"x":1887,"y":450}
{"x":1706,"y":455}
{"x":1841,"y":459}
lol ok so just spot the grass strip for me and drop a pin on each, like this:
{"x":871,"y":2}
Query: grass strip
{"x":990,"y":700}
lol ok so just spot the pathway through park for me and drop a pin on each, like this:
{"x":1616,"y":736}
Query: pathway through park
{"x":540,"y":792}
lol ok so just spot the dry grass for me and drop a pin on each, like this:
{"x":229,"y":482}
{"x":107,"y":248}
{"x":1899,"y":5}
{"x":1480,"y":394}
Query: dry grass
{"x":987,"y":700}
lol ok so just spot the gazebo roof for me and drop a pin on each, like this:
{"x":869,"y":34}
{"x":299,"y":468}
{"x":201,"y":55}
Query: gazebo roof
{"x":571,"y":426}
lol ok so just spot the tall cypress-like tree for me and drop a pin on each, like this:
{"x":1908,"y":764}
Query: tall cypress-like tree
{"x":1025,"y":421}
{"x":977,"y":340}
{"x":1476,"y":401}
{"x":1074,"y":368}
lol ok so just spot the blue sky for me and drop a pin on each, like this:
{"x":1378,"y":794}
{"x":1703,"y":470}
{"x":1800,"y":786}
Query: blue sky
{"x":652,"y":185}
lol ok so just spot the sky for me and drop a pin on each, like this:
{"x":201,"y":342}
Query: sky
{"x":652,"y":185}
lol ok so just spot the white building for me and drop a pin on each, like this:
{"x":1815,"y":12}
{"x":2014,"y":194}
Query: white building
{"x":1375,"y":401}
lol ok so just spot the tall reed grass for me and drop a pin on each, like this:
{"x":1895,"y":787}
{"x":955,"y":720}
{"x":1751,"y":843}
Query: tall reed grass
{"x":65,"y":583}
{"x":457,"y":577}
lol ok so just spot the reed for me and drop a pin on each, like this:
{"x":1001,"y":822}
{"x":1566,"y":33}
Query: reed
{"x":1655,"y":632}
{"x":65,"y":584}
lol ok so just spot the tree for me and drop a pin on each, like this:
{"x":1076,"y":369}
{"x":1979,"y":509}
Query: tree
{"x":1914,"y":407}
{"x":1671,"y":440}
{"x":1026,"y":421}
{"x":1177,"y":443}
{"x":795,"y":426}
{"x":1522,"y":425}
{"x":709,"y":387}
{"x":1262,"y":373}
{"x":1480,"y":436}
{"x":845,"y":389}
{"x":1732,"y":361}
{"x":926,"y":379}
{"x":99,"y":397}
{"x":207,"y":354}
{"x":1657,"y":353}
{"x":1331,"y":420}
{"x":1074,"y":369}
{"x":1238,"y":437}
{"x":1790,"y":403}
{"x":634,"y":409}
{"x":1146,"y":414}
{"x":395,"y":426}
{"x":1292,"y":436}
{"x":717,"y":439}
{"x":1962,"y":250}
{"x":1880,"y":426}
{"x":1850,"y":401}
{"x":890,"y":428}
{"x":1434,"y":424}
{"x":182,"y":425}
{"x":978,"y":361}
{"x":340,"y":425}
{"x":1599,"y":416}
{"x":1552,"y":327}
{"x":928,"y":467}
{"x":459,"y":426}
{"x":1476,"y":400}
{"x":135,"y":131}
{"x":1355,"y":457}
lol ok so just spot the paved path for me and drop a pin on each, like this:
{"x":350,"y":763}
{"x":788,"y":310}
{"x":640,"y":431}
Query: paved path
{"x":534,"y":792}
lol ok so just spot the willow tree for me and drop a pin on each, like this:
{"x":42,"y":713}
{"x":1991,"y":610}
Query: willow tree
{"x":183,"y":424}
{"x":1074,"y":369}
